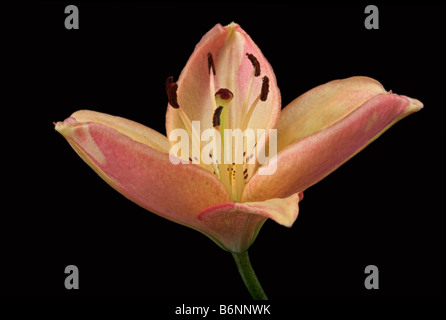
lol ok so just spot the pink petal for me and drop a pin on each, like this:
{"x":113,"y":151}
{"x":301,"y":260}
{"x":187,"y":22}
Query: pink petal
{"x":124,"y":154}
{"x":193,"y":84}
{"x":307,"y":161}
{"x":234,"y":71}
{"x":234,"y":226}
{"x":228,"y":46}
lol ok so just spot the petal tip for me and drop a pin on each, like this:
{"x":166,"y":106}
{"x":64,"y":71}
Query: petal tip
{"x":58,"y":126}
{"x":61,"y":126}
{"x":233,"y":25}
{"x":415,"y":105}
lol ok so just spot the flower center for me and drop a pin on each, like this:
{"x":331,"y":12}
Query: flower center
{"x":233,"y":170}
{"x":232,"y":163}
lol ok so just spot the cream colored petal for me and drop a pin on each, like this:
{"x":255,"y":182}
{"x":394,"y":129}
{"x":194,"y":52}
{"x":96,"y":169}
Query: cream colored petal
{"x":323,"y":106}
{"x":132,"y":129}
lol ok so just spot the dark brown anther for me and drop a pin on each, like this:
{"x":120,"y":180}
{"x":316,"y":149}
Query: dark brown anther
{"x":211,"y":64}
{"x":265,"y":89}
{"x":255,"y":64}
{"x":216,"y":118}
{"x":245,"y":171}
{"x":171,"y":90}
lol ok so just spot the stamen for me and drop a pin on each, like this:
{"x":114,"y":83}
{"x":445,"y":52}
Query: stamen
{"x":255,"y":64}
{"x":211,"y":64}
{"x":171,"y":90}
{"x":261,"y":97}
{"x":169,"y":80}
{"x":194,"y":145}
{"x":216,"y":118}
{"x":265,"y":89}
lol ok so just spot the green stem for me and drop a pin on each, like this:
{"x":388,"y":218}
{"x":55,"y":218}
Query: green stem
{"x":249,"y":276}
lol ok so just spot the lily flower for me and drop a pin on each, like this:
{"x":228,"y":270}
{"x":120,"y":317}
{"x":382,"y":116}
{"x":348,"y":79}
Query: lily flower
{"x":227,"y":83}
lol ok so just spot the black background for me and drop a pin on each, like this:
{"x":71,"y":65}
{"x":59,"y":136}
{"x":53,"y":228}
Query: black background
{"x":384,"y":207}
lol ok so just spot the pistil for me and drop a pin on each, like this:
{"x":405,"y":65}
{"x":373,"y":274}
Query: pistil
{"x":222,"y":99}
